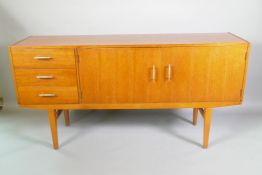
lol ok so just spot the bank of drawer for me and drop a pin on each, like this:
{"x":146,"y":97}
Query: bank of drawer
{"x":43,"y":58}
{"x":47,"y":95}
{"x":45,"y":77}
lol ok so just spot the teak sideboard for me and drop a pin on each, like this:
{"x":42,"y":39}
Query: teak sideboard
{"x":199,"y":71}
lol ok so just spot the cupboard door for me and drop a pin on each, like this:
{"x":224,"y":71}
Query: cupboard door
{"x":204,"y":74}
{"x":147,"y":72}
{"x":119,"y":75}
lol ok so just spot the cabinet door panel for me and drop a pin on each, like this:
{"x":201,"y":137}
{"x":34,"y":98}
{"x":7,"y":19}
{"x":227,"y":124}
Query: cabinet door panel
{"x":104,"y":75}
{"x":119,"y":75}
{"x":205,"y":74}
{"x":182,"y":74}
{"x":147,"y":84}
{"x":178,"y":87}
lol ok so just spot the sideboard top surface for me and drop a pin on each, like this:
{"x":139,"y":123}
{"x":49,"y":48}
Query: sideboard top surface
{"x":131,"y":40}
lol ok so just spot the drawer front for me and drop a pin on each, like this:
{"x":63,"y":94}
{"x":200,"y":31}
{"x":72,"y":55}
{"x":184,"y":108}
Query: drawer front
{"x":45,"y":77}
{"x":47,"y":95}
{"x":43,"y":58}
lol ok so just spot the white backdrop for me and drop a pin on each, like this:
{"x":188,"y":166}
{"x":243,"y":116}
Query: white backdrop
{"x":20,"y":18}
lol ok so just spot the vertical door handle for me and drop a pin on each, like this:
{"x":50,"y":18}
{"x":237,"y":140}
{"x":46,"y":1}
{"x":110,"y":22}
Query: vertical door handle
{"x":153,"y":72}
{"x":169,"y":72}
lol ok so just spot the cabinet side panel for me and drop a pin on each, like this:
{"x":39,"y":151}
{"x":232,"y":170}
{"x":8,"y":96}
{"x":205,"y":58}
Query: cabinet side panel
{"x":245,"y":73}
{"x":13,"y":74}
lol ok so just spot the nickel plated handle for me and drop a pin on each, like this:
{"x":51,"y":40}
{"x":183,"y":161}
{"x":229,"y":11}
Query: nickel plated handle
{"x":169,"y":72}
{"x":42,"y":58}
{"x":46,"y":95}
{"x":153,"y":72}
{"x":44,"y":76}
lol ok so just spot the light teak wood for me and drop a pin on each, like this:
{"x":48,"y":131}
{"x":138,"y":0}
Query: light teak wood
{"x":137,"y":40}
{"x":211,"y":74}
{"x":46,"y":77}
{"x":207,"y":115}
{"x":47,"y":95}
{"x":199,"y":71}
{"x":52,"y":116}
{"x":124,"y":75}
{"x":195,"y":114}
{"x":57,"y":58}
{"x":66,"y":117}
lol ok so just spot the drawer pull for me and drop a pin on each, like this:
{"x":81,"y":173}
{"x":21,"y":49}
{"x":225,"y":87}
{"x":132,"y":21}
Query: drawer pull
{"x":42,"y":58}
{"x":44,"y":76}
{"x":153,"y":72}
{"x":46,"y":95}
{"x":169,"y":72}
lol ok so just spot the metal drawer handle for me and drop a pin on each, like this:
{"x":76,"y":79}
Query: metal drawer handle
{"x":44,"y":76}
{"x":169,"y":72}
{"x":153,"y":72}
{"x":42,"y":58}
{"x":46,"y":95}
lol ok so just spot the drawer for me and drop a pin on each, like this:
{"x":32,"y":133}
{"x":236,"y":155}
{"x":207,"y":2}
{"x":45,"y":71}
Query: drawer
{"x":45,"y":77}
{"x":43,"y":58}
{"x":47,"y":95}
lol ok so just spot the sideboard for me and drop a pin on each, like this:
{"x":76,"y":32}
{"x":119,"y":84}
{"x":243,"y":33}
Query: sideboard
{"x":151,"y":71}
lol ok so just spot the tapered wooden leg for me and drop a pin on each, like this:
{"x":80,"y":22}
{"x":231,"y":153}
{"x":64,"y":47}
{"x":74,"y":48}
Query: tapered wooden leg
{"x":195,"y":113}
{"x":66,"y":116}
{"x":53,"y":126}
{"x":207,"y":115}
